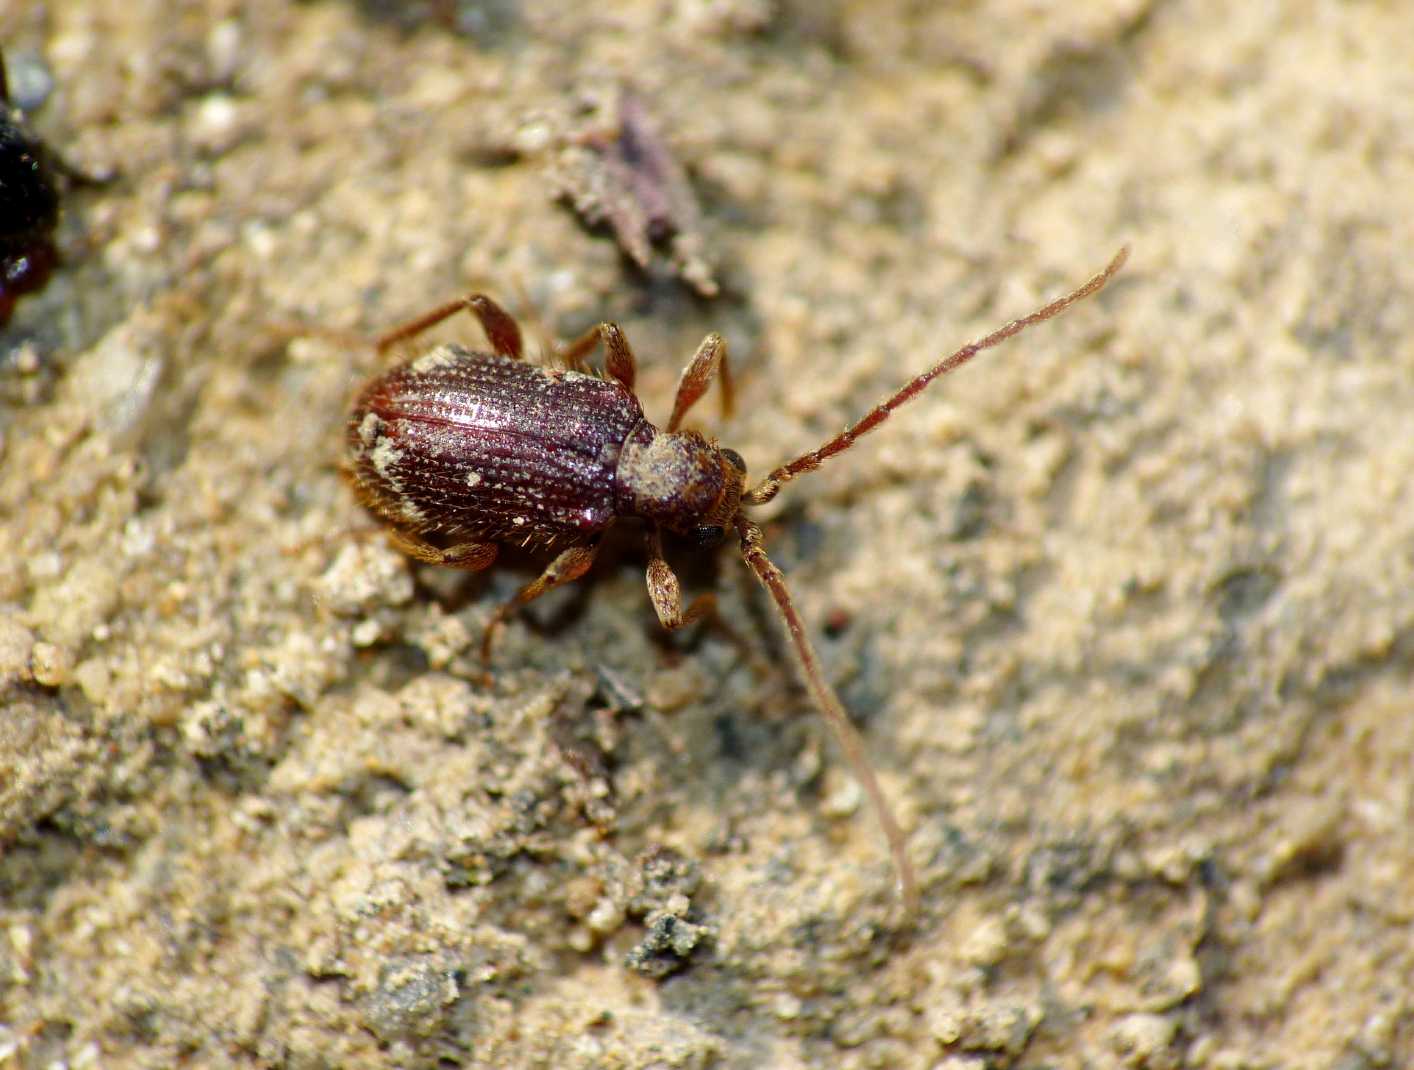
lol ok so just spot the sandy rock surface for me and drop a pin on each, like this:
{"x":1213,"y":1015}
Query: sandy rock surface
{"x":1124,"y":610}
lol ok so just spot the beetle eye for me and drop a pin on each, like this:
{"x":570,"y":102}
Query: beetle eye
{"x":707,"y":535}
{"x":735,"y":459}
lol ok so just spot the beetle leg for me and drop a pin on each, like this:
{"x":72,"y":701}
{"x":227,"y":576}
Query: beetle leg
{"x":666,"y":592}
{"x":619,"y":361}
{"x":501,"y":329}
{"x":567,"y":567}
{"x":710,"y":358}
{"x":472,"y":556}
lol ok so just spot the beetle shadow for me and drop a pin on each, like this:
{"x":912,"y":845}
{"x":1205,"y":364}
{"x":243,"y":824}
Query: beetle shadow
{"x":555,"y":613}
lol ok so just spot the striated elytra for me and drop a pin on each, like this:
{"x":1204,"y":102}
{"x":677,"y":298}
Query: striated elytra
{"x":460,"y":452}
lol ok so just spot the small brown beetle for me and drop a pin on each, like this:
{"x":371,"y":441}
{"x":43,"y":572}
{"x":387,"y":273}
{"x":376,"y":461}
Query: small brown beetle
{"x":482,"y":449}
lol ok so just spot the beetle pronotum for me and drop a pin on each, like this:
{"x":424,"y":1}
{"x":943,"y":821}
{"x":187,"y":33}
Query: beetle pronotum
{"x":477,"y":450}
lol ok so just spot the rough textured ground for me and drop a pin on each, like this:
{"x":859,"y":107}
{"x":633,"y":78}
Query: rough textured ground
{"x":1124,"y":611}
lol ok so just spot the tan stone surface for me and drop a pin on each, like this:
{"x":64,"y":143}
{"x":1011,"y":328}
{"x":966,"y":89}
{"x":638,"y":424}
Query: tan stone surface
{"x":1124,"y":609}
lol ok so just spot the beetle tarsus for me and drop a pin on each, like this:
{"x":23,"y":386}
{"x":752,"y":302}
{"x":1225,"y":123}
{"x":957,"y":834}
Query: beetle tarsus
{"x":487,"y":449}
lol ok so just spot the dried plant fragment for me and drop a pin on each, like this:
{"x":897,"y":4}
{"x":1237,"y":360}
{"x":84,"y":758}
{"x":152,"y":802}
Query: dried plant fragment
{"x":614,"y":167}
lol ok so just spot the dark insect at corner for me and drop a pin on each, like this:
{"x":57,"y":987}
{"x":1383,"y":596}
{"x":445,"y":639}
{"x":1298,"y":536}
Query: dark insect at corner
{"x":478,"y":450}
{"x":29,"y":204}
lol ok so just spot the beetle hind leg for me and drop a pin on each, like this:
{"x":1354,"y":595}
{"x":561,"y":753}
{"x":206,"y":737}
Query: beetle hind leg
{"x":568,"y":566}
{"x":619,"y":361}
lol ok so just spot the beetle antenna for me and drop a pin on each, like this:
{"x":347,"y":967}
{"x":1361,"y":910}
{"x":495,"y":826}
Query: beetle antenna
{"x":754,"y":551}
{"x":806,"y":462}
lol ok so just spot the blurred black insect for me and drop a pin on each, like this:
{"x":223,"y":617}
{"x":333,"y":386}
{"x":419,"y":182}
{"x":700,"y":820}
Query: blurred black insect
{"x":30,"y":177}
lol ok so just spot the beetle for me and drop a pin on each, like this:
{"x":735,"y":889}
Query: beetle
{"x":459,"y":452}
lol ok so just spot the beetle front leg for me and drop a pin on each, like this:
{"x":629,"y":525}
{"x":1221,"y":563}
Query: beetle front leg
{"x":619,"y":361}
{"x":666,"y":592}
{"x":567,"y":567}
